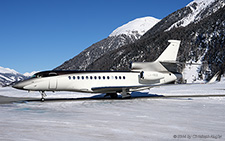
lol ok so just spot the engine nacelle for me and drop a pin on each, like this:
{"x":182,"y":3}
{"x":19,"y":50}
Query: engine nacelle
{"x":151,"y":76}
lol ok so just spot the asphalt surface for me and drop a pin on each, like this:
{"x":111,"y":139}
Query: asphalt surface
{"x":7,"y":100}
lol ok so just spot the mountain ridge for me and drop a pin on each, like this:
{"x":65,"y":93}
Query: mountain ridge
{"x":121,"y":36}
{"x":10,"y":76}
{"x":197,"y":38}
{"x":136,"y":26}
{"x":202,"y":40}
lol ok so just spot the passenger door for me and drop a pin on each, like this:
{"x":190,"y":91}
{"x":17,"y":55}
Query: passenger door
{"x":53,"y":84}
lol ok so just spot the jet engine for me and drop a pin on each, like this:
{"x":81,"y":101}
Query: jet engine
{"x":151,"y":76}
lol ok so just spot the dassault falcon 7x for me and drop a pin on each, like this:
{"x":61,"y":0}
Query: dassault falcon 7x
{"x":143,"y":75}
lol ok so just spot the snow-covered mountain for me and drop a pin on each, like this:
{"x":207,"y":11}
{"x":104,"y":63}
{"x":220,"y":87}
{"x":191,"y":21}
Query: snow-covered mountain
{"x":9,"y":76}
{"x":136,"y":27}
{"x":201,"y":28}
{"x":124,"y":35}
{"x":7,"y":70}
{"x":197,"y":10}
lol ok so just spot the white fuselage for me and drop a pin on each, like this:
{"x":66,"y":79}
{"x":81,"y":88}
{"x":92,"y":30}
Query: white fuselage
{"x":86,"y":81}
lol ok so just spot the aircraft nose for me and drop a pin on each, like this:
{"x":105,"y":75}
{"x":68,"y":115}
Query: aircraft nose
{"x":18,"y":86}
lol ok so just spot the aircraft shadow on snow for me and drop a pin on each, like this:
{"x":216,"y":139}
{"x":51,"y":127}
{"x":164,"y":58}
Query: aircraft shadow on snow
{"x":134,"y":95}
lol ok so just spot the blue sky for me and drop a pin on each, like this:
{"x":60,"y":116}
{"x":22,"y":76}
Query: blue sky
{"x":38,"y":35}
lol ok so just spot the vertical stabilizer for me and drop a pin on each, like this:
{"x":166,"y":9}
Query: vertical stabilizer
{"x":170,"y":53}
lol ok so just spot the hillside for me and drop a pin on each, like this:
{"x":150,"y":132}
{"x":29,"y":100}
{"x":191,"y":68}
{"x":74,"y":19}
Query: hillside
{"x":126,"y":34}
{"x":200,"y":26}
{"x":202,"y":40}
{"x":9,"y":76}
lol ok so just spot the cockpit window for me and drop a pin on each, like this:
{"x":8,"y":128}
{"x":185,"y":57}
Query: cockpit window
{"x":34,"y":76}
{"x":44,"y":74}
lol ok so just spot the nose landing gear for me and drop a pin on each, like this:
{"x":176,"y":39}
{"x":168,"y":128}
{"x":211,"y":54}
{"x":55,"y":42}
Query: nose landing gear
{"x":43,"y":95}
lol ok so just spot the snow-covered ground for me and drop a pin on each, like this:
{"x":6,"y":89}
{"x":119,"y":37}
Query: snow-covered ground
{"x":197,"y":118}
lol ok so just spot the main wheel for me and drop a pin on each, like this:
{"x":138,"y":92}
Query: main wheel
{"x":114,"y":95}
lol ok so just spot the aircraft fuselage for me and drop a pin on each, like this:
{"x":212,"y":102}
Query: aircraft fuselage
{"x":87,"y":81}
{"x":143,"y":75}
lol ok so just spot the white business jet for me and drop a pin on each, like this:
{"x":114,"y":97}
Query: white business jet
{"x":143,"y":75}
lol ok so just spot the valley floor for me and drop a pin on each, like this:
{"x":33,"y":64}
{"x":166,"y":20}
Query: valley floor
{"x":142,"y":118}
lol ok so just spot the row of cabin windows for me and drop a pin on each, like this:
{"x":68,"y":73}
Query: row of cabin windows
{"x":96,"y":77}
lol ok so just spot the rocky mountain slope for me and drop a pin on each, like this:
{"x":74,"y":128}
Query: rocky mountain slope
{"x":126,"y":34}
{"x":9,"y":76}
{"x":201,"y":28}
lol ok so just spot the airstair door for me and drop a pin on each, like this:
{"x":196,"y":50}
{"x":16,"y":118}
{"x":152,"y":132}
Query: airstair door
{"x":53,"y":84}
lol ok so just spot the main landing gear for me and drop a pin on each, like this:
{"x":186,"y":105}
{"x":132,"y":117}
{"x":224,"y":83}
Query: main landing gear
{"x":112,"y":95}
{"x":43,"y":95}
{"x":124,"y":94}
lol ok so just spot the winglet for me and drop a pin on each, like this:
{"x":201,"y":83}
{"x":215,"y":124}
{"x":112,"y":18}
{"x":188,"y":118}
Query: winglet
{"x":170,"y":53}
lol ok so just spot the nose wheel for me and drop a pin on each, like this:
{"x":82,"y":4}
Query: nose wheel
{"x":43,"y":95}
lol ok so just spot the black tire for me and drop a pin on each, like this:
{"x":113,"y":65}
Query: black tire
{"x":114,"y":95}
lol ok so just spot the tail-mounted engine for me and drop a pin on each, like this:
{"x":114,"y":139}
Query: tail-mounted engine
{"x":151,"y":76}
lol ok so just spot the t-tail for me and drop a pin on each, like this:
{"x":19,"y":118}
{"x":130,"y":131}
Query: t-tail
{"x":162,"y":70}
{"x":164,"y":61}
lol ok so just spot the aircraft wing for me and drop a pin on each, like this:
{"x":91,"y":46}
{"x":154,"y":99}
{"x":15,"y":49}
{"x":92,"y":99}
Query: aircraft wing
{"x":113,"y":89}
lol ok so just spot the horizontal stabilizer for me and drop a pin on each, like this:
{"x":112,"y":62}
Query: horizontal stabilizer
{"x":165,"y":62}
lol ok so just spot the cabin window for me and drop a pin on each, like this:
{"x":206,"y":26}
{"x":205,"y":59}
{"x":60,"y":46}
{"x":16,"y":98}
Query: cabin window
{"x":96,"y":77}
